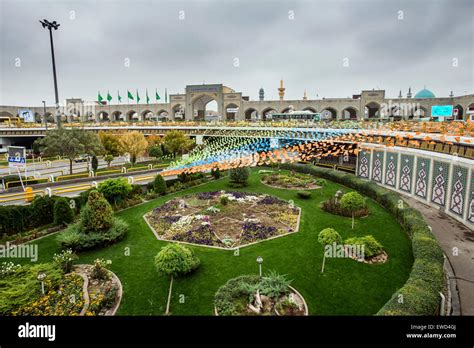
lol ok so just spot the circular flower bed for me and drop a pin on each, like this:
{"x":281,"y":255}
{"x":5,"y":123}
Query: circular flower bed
{"x":252,"y":295}
{"x":291,"y":181}
{"x":223,"y":219}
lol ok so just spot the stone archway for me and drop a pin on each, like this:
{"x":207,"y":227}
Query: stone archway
{"x":200,"y":105}
{"x":131,"y":116}
{"x":460,"y":112}
{"x":349,"y":113}
{"x":310,"y":108}
{"x":147,"y":115}
{"x":250,"y":114}
{"x":117,"y":116}
{"x":372,"y":110}
{"x":329,"y":113}
{"x":266,"y":113}
{"x":103,"y":116}
{"x":178,"y":112}
{"x":230,"y":111}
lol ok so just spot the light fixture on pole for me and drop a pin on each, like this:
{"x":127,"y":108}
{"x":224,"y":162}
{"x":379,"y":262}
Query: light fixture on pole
{"x":260,"y":261}
{"x":50,"y":26}
{"x":44,"y":115}
{"x":41,"y":276}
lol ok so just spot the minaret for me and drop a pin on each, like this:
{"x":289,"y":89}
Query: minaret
{"x":451,"y":94}
{"x":261,"y":94}
{"x":305,"y":97}
{"x":281,"y":90}
{"x":409,"y":92}
{"x":400,"y":94}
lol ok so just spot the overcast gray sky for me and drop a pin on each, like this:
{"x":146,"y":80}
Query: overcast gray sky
{"x":242,"y":44}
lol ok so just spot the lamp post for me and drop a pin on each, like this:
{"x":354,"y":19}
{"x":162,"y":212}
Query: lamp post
{"x":41,"y":276}
{"x":260,"y":261}
{"x":50,"y":26}
{"x":44,"y":115}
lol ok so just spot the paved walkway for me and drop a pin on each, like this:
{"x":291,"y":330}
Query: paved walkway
{"x":452,"y":234}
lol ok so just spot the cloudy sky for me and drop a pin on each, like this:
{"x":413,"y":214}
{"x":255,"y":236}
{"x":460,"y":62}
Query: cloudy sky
{"x":329,"y":48}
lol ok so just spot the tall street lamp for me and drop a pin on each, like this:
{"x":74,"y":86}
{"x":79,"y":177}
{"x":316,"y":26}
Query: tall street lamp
{"x":50,"y":26}
{"x":260,"y":261}
{"x":44,"y":115}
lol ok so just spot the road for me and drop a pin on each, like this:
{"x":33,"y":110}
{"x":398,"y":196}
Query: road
{"x":71,"y":190}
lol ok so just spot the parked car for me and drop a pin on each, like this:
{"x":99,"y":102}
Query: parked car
{"x":81,"y":159}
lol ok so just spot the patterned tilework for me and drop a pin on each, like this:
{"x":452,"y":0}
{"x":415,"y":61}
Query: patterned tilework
{"x":377,"y":167}
{"x":406,"y":173}
{"x":458,"y":190}
{"x":440,"y":183}
{"x":364,"y":163}
{"x":422,"y":176}
{"x":391,"y":163}
{"x":470,"y":212}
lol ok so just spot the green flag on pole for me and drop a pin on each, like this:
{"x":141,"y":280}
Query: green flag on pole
{"x":99,"y":97}
{"x":109,"y":97}
{"x":129,"y":95}
{"x":138,"y":97}
{"x":157,"y":96}
{"x":147,"y":97}
{"x":119,"y":97}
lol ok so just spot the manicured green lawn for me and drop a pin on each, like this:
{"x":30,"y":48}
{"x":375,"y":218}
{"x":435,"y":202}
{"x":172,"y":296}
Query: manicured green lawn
{"x":345,"y":288}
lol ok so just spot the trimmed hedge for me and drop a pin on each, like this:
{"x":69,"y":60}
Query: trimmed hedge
{"x":19,"y":218}
{"x":420,"y":294}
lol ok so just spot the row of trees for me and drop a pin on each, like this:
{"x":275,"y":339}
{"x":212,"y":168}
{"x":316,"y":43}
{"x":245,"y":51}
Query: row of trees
{"x":72,"y":143}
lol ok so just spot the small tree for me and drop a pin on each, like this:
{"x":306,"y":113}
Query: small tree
{"x":155,"y":151}
{"x":63,"y":214}
{"x":94,"y":163}
{"x":216,"y":174}
{"x":133,"y":143}
{"x":174,"y":260}
{"x":328,"y":236}
{"x":115,"y":190}
{"x":239,"y":176}
{"x":97,"y":215}
{"x":352,"y":202}
{"x":177,"y":142}
{"x":108,"y":159}
{"x":110,"y":142}
{"x":159,"y":185}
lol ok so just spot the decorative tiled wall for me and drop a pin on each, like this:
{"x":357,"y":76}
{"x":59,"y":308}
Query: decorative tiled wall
{"x":444,"y":182}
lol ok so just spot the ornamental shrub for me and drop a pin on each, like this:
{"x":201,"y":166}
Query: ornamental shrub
{"x":371,"y":245}
{"x":115,"y":190}
{"x":159,"y":185}
{"x":352,"y":201}
{"x":238,"y":177}
{"x":97,"y":215}
{"x":63,"y":214}
{"x":304,"y":194}
{"x":329,"y":236}
{"x":175,"y":260}
{"x":216,"y":173}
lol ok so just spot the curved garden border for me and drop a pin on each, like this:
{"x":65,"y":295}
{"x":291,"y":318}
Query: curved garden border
{"x":118,"y":296}
{"x":426,"y":280}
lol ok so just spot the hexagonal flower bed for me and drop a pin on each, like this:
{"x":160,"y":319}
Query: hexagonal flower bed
{"x":222,"y":219}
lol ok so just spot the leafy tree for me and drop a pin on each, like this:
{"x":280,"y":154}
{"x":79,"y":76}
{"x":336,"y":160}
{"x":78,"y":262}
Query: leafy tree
{"x":97,"y":215}
{"x":176,"y":142}
{"x":328,"y":236}
{"x":133,"y":143}
{"x":153,"y":140}
{"x":94,"y":163}
{"x":115,"y":190}
{"x":216,"y":173}
{"x":239,"y":176}
{"x":159,"y":185}
{"x":174,"y":260}
{"x":108,"y":158}
{"x":70,"y":143}
{"x":63,"y":214}
{"x":155,"y":151}
{"x":110,"y":142}
{"x":352,"y":201}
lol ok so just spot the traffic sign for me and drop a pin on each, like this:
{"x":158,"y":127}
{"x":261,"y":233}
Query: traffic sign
{"x":17,"y":156}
